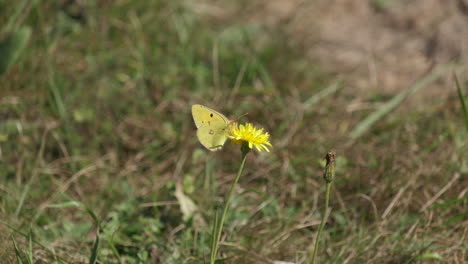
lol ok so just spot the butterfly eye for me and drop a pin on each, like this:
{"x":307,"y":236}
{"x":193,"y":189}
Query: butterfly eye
{"x":211,"y":115}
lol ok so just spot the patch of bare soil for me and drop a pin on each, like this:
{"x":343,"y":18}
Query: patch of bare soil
{"x":377,"y":46}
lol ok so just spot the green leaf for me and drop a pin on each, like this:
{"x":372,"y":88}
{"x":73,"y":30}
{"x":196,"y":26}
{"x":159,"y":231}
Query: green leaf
{"x":12,"y":46}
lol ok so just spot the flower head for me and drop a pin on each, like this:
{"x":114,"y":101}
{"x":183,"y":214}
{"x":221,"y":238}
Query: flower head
{"x":251,"y":135}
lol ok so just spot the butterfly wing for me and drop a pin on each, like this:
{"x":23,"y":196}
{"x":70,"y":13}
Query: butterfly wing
{"x":203,"y":115}
{"x":212,"y":136}
{"x":212,"y":127}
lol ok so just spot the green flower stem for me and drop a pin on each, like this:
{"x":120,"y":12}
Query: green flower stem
{"x":322,"y":223}
{"x":328,"y":176}
{"x":219,"y":229}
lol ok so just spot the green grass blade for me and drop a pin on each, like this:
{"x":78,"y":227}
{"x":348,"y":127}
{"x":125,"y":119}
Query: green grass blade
{"x":363,"y":126}
{"x":462,"y":100}
{"x":429,"y":256}
{"x":94,"y":252}
{"x":65,"y":204}
{"x":449,"y":203}
{"x":29,"y":255}
{"x":12,"y":46}
{"x":456,"y":218}
{"x":322,"y":94}
{"x":93,"y":215}
{"x":17,"y":252}
{"x":110,"y":242}
{"x":57,"y":98}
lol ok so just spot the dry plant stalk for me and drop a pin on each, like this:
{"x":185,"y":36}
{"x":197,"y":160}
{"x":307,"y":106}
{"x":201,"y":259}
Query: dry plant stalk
{"x":328,"y":176}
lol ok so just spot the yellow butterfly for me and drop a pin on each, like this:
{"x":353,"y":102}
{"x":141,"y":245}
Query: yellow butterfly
{"x":212,"y":127}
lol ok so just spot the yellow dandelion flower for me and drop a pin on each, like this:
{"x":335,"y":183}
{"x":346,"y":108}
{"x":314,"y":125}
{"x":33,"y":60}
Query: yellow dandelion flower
{"x":251,"y":135}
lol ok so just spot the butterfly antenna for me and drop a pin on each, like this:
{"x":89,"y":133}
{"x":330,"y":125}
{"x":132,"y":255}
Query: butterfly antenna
{"x":239,"y":117}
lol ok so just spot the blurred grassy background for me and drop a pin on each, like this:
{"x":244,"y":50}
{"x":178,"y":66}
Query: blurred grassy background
{"x":95,"y":127}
